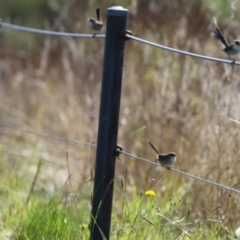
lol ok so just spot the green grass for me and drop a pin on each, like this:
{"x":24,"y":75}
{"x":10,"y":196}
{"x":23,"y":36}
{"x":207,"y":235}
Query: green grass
{"x":45,"y":216}
{"x":51,"y":219}
{"x":65,"y":213}
{"x":145,"y":217}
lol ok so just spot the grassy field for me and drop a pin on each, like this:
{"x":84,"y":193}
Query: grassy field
{"x":52,"y":85}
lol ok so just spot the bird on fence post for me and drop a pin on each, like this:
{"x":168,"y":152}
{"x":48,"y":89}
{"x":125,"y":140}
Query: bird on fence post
{"x":95,"y":24}
{"x":232,"y":49}
{"x":165,"y":160}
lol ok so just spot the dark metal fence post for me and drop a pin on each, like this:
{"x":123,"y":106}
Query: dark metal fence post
{"x":108,"y":123}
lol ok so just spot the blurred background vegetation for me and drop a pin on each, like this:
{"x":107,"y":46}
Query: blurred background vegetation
{"x":52,"y":85}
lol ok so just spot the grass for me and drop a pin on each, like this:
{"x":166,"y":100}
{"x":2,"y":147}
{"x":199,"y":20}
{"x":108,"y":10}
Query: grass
{"x":49,"y":218}
{"x":181,"y":104}
{"x":58,"y":217}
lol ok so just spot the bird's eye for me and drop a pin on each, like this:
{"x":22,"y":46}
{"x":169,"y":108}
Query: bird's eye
{"x":237,"y":42}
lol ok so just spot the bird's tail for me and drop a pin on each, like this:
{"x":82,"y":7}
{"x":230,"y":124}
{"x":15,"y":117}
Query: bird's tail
{"x":98,"y":14}
{"x":218,"y":35}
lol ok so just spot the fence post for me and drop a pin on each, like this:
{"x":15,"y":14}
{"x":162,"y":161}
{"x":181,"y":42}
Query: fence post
{"x":108,"y":123}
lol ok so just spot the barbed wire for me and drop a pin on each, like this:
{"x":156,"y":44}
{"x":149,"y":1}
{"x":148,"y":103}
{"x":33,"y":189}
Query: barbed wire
{"x":47,"y":32}
{"x":54,"y":137}
{"x":78,"y":35}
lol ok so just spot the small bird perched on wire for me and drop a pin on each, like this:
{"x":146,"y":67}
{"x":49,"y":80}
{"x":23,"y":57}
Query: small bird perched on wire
{"x":232,"y":49}
{"x":96,"y":24}
{"x":165,"y":160}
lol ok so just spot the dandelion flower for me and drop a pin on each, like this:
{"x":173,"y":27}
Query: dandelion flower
{"x":150,"y":193}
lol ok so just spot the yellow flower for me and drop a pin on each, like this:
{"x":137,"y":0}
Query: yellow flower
{"x":150,"y":193}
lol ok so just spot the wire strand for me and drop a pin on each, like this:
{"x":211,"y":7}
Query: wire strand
{"x":186,"y":174}
{"x":78,"y":35}
{"x":47,"y":32}
{"x":183,"y":52}
{"x":45,"y":135}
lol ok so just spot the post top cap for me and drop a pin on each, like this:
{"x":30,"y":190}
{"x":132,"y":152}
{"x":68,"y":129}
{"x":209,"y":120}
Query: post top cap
{"x":117,"y":11}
